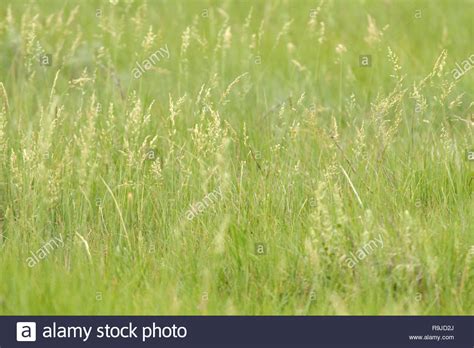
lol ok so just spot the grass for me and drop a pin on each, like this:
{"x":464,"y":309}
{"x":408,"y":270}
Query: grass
{"x":265,"y":101}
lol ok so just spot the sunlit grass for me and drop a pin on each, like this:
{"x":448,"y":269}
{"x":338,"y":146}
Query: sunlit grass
{"x":265,"y":102}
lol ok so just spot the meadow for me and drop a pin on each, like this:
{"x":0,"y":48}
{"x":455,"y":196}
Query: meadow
{"x":236,"y":157}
